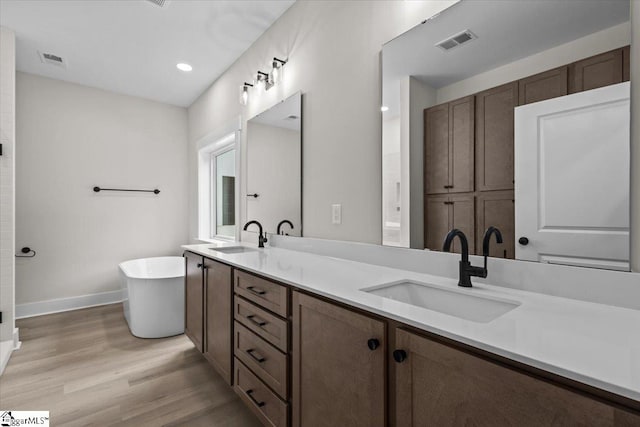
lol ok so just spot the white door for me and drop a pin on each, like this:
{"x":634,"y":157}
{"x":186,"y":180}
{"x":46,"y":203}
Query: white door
{"x":572,"y":179}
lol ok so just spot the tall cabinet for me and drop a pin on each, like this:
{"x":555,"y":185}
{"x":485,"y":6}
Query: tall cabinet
{"x":469,"y":150}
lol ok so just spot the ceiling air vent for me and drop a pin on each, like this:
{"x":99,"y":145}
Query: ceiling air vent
{"x":456,"y":40}
{"x":161,"y":3}
{"x":50,"y":58}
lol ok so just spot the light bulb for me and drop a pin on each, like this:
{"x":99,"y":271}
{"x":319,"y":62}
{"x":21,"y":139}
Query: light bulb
{"x":245,"y":96}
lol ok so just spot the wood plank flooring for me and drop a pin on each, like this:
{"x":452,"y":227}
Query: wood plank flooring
{"x":86,"y":368}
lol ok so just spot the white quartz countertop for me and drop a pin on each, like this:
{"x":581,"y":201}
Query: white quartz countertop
{"x":595,"y":344}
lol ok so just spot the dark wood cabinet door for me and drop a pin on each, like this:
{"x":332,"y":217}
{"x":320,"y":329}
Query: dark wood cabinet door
{"x":463,"y":217}
{"x":337,"y":379}
{"x":547,"y":85}
{"x":194,"y":299}
{"x":436,"y":221}
{"x":494,"y":137}
{"x":218,"y":342}
{"x":438,"y":385}
{"x":626,"y":63}
{"x":461,"y":145}
{"x":597,"y":71}
{"x":496,"y":208}
{"x":436,"y":149}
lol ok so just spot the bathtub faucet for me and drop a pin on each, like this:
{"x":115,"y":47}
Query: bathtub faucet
{"x":261,"y":239}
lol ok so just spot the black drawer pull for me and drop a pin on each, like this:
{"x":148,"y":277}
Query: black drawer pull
{"x":256,"y":320}
{"x":255,"y":290}
{"x":253,"y":399}
{"x":251,"y":352}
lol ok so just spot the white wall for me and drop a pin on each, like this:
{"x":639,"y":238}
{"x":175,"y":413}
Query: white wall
{"x":635,"y":138}
{"x":7,"y":185}
{"x":273,"y":172}
{"x":421,"y":96}
{"x":584,"y":47}
{"x":70,"y":139}
{"x":334,"y":59}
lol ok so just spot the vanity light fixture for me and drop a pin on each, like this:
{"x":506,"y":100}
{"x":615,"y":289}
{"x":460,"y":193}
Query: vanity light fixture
{"x":244,"y":93}
{"x":184,"y":67}
{"x":263,"y":81}
{"x":276,"y":70}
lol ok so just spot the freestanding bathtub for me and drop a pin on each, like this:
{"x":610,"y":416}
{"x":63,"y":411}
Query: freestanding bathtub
{"x":153,"y":292}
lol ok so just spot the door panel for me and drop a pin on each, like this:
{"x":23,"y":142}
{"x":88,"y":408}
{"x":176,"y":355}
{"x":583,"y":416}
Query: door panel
{"x":494,"y":137}
{"x":598,"y":71}
{"x":463,"y":218}
{"x":496,"y":208}
{"x":547,"y":85}
{"x":194,"y":300}
{"x":572,"y":182}
{"x":438,"y":385}
{"x":436,"y":137}
{"x":217,"y":347}
{"x":337,"y":379}
{"x":437,"y":221}
{"x":461,"y":145}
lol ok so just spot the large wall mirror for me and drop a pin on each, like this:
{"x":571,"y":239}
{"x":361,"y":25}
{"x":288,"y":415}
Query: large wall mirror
{"x":513,"y":114}
{"x":274,"y":167}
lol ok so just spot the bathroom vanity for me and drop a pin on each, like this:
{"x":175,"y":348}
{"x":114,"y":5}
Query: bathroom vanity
{"x":306,"y":339}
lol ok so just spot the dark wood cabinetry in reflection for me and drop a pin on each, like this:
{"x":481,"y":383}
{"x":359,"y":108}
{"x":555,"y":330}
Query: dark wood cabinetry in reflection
{"x":494,"y":137}
{"x":469,"y":149}
{"x":449,"y":147}
{"x":547,"y":85}
{"x":446,"y":212}
{"x":597,"y":71}
{"x":496,"y":208}
{"x":339,"y":366}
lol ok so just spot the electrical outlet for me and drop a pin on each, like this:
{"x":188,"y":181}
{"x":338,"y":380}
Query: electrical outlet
{"x":336,"y":214}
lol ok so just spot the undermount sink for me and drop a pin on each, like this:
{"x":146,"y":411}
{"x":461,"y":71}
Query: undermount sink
{"x":453,"y":302}
{"x":233,"y":250}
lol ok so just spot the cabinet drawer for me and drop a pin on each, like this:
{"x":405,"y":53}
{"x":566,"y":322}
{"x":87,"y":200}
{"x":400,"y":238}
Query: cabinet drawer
{"x":263,"y":292}
{"x":271,"y":328}
{"x":267,"y":362}
{"x":263,"y":402}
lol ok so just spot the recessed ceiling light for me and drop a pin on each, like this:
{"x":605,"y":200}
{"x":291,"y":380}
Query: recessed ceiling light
{"x":184,"y":67}
{"x":384,"y":108}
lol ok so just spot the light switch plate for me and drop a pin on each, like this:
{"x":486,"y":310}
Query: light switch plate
{"x":336,"y":214}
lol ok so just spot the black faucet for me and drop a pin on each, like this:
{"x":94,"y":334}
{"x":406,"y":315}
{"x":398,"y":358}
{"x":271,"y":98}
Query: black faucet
{"x":261,"y":239}
{"x":466,"y":269}
{"x":284,"y":221}
{"x":485,"y":243}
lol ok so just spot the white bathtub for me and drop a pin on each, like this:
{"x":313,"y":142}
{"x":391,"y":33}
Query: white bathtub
{"x":153,"y":292}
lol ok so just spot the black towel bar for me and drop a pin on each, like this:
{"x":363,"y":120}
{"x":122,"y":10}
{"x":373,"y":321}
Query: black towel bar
{"x":98,"y":189}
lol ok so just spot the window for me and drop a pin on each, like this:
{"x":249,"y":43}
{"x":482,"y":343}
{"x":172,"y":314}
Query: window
{"x":224,"y":193}
{"x":218,"y":188}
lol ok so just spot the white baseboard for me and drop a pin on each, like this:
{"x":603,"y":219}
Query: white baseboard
{"x":66,"y":304}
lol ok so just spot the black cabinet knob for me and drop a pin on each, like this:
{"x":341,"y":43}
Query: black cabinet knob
{"x":199,"y":265}
{"x":373,"y":343}
{"x":523,"y":241}
{"x":399,"y":356}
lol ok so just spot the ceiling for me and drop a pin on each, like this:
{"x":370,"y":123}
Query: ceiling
{"x":133,"y":46}
{"x":506,"y":31}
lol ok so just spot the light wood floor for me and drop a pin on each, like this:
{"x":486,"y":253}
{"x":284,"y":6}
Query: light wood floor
{"x":87,"y":369}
